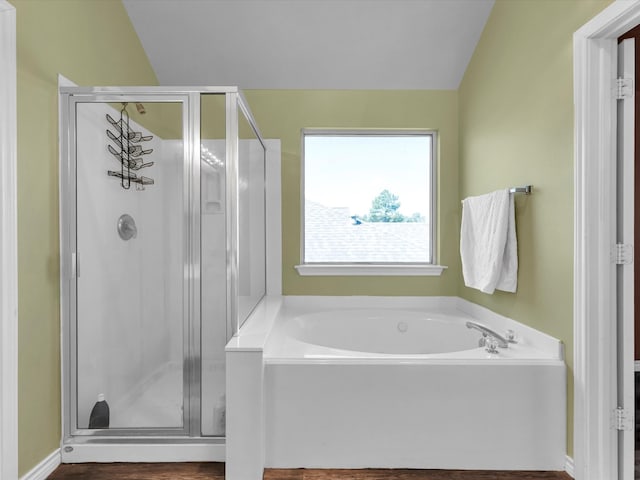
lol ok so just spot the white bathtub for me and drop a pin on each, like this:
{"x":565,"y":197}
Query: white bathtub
{"x":357,"y":382}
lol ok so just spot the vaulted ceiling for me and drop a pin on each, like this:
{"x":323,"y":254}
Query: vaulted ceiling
{"x":310,"y":44}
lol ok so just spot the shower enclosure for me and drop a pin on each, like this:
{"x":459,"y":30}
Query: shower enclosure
{"x":162,"y":259}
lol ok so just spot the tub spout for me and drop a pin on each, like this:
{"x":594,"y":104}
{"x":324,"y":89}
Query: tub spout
{"x":486,"y":331}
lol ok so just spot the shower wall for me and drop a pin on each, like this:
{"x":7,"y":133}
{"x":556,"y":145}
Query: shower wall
{"x":129,"y":296}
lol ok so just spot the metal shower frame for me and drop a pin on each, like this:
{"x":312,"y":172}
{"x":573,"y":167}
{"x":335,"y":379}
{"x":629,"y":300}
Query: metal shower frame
{"x":190,"y":99}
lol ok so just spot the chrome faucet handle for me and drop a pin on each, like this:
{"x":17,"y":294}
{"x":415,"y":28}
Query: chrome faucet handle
{"x":491,"y":344}
{"x":511,"y":336}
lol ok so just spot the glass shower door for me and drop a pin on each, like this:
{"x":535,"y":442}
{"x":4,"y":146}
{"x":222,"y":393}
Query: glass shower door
{"x":131,"y":251}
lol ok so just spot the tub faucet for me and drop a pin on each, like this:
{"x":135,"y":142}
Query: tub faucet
{"x":487,"y":332}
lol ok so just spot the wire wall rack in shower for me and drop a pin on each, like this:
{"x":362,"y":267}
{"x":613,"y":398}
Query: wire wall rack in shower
{"x":127,"y":148}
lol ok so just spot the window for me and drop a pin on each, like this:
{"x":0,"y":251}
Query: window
{"x":369,"y":201}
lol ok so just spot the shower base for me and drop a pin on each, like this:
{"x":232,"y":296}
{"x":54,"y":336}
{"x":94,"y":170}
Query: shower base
{"x":156,"y":401}
{"x":125,"y":449}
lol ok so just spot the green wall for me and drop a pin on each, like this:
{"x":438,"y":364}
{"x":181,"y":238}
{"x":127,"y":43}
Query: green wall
{"x":91,"y":43}
{"x":510,"y":123}
{"x":516,"y":128}
{"x":283,"y":113}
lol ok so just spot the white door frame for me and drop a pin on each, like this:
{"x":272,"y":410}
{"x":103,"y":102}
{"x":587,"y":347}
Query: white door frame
{"x":595,"y":369}
{"x":8,"y":247}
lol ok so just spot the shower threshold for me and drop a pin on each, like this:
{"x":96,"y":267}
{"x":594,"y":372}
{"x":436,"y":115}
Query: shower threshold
{"x":140,"y":449}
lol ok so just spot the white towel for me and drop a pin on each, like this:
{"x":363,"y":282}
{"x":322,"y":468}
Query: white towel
{"x":488,"y":244}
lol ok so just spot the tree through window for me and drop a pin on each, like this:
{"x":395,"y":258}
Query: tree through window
{"x":368,"y":197}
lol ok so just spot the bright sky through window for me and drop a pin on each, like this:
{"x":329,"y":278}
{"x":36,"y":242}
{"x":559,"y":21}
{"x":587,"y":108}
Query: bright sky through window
{"x":350,"y":171}
{"x":368,"y":197}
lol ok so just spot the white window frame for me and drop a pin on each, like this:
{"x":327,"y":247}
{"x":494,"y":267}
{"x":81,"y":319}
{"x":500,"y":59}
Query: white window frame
{"x":372,"y":268}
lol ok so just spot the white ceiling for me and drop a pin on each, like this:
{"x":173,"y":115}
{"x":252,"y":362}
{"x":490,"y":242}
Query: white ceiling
{"x":310,"y":44}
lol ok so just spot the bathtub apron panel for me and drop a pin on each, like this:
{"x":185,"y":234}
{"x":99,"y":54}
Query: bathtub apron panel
{"x":486,"y":415}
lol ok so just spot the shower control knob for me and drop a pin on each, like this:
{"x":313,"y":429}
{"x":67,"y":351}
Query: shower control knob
{"x":127,"y":227}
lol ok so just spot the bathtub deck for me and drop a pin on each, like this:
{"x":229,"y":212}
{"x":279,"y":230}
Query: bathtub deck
{"x":215,"y":471}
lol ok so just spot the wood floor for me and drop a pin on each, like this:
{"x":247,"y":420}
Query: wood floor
{"x":215,"y":471}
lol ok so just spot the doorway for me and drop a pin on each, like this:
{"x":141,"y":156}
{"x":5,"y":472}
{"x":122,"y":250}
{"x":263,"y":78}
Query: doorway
{"x":625,"y":266}
{"x":629,"y":60}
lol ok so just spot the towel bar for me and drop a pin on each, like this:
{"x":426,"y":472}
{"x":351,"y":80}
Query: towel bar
{"x":525,"y":189}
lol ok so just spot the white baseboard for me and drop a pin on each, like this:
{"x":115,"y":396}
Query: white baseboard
{"x":44,"y":468}
{"x":568,"y":466}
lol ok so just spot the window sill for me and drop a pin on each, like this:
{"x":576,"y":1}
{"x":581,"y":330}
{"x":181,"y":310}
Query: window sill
{"x":369,"y":270}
